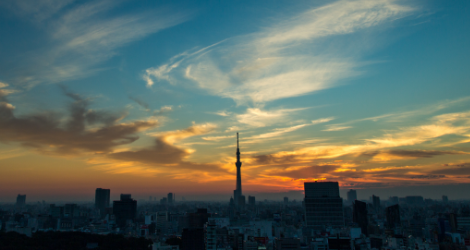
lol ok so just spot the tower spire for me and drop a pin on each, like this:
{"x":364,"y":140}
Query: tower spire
{"x":238,"y":164}
{"x":237,"y":141}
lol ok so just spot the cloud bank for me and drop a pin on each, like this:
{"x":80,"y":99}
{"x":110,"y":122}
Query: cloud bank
{"x":284,"y":60}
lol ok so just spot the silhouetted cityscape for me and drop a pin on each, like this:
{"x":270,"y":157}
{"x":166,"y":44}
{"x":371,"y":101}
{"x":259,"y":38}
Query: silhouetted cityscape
{"x":235,"y":125}
{"x":321,"y":221}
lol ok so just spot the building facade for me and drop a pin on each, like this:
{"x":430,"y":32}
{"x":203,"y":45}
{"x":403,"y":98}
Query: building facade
{"x":124,"y":210}
{"x":352,"y":196}
{"x":323,"y":205}
{"x":360,"y":216}
{"x":102,"y":200}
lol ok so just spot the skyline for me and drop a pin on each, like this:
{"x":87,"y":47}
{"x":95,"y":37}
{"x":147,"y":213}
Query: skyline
{"x":146,"y":98}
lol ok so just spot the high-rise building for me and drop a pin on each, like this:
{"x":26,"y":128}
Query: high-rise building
{"x":445,"y":199}
{"x":323,"y":205}
{"x":376,"y":203}
{"x":286,"y":200}
{"x":170,"y":198}
{"x":393,"y":216}
{"x":360,"y":216}
{"x":20,"y":200}
{"x":241,"y":202}
{"x":251,"y":201}
{"x":198,"y":219}
{"x":124,"y":210}
{"x":102,"y":200}
{"x":210,"y":235}
{"x":352,"y":196}
{"x":161,"y":222}
{"x":238,"y":191}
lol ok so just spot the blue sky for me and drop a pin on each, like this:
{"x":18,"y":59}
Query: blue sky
{"x":373,"y":94}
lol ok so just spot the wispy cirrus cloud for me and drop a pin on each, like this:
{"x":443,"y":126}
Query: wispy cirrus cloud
{"x":82,"y":36}
{"x":278,"y":132}
{"x":37,"y":11}
{"x":217,"y":138}
{"x":257,"y":117}
{"x":322,"y":120}
{"x":274,"y":63}
{"x":221,"y":113}
{"x":4,"y":92}
{"x":336,"y":127}
{"x":3,"y":85}
{"x":441,"y":125}
{"x":173,"y":136}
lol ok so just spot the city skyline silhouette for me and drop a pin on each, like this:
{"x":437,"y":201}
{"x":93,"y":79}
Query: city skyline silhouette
{"x":147,"y":99}
{"x":235,"y":125}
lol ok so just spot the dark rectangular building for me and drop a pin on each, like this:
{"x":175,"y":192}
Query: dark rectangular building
{"x":323,"y":205}
{"x":251,"y":201}
{"x":21,"y":200}
{"x":360,"y":216}
{"x":124,"y":210}
{"x":393,"y":216}
{"x":198,"y":219}
{"x":376,"y":203}
{"x":170,"y":198}
{"x":102,"y":200}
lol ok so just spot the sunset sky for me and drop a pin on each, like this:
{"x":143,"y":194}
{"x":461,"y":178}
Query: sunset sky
{"x":146,"y":97}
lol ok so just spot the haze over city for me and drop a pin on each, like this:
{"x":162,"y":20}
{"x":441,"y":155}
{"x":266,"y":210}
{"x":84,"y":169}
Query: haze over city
{"x":147,"y":97}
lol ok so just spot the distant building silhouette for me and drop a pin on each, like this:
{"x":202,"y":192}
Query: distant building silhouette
{"x":323,"y":205}
{"x":237,"y":193}
{"x":56,"y":211}
{"x":162,"y":219}
{"x":251,"y":201}
{"x":170,"y":198}
{"x":102,"y":200}
{"x":352,"y":196}
{"x":360,"y":216}
{"x":445,"y":199}
{"x":71,"y":210}
{"x":124,"y":210}
{"x":241,"y":202}
{"x":286,"y":200}
{"x":20,"y":200}
{"x":376,"y":203}
{"x":393,"y":216}
{"x":414,"y":200}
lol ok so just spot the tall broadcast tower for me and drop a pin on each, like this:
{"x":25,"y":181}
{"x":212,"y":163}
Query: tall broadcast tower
{"x":237,"y":193}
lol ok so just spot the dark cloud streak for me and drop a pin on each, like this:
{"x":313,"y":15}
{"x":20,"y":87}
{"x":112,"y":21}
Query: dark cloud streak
{"x":48,"y":134}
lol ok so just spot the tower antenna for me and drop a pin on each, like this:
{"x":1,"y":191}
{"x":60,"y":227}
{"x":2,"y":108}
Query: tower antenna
{"x":237,"y":140}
